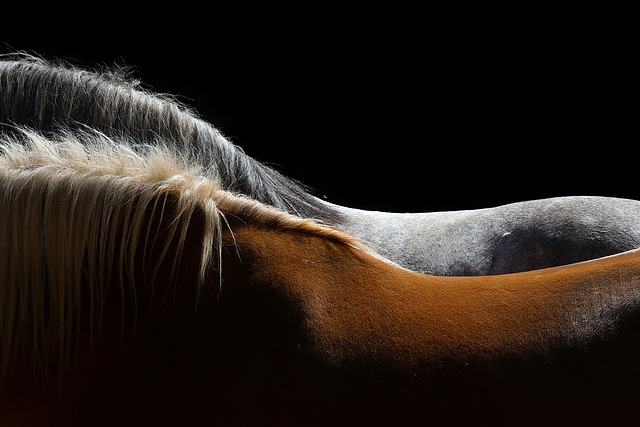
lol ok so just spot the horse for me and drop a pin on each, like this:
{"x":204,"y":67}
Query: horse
{"x":516,"y":237}
{"x":135,"y":290}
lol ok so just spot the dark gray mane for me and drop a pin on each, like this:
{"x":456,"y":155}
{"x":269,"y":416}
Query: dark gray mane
{"x":48,"y":96}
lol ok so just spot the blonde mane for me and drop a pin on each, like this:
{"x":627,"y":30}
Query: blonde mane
{"x":74,"y":209}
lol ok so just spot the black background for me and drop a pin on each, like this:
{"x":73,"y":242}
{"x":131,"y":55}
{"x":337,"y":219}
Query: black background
{"x":393,"y":109}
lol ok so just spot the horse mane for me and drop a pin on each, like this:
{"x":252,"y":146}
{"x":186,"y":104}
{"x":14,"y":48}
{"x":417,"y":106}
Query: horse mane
{"x":46,"y":95}
{"x":73,"y":210}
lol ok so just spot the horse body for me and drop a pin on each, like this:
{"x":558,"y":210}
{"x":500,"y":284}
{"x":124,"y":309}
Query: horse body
{"x":296,"y":323}
{"x":511,"y":238}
